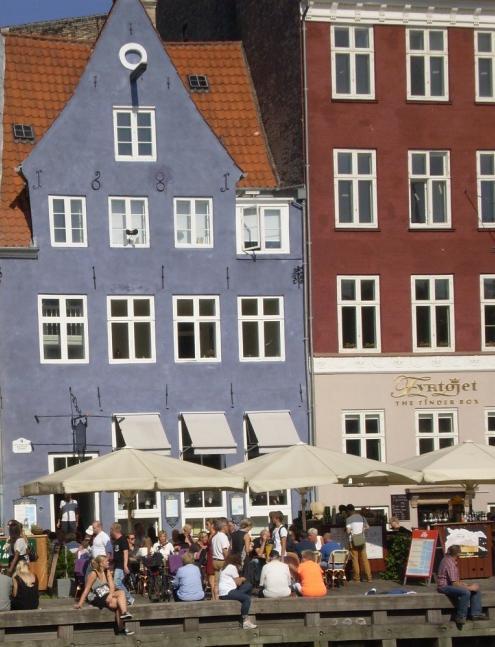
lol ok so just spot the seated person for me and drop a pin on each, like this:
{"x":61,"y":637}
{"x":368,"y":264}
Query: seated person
{"x":310,"y":575}
{"x":397,"y":529}
{"x":329,"y":545}
{"x":25,"y":593}
{"x":307,"y":541}
{"x":146,"y":549}
{"x":163,"y":546}
{"x":275,"y":580}
{"x":466,"y":597}
{"x":257,"y":558}
{"x":187,"y":583}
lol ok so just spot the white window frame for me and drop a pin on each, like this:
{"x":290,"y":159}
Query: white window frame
{"x":358,"y":304}
{"x":485,"y":302}
{"x":355,"y":178}
{"x":197,"y":319}
{"x":362,"y":436}
{"x":427,"y":54}
{"x":261,"y":204}
{"x":431,"y":303}
{"x":134,"y":157}
{"x":51,"y":470}
{"x":67,"y":213}
{"x":194,"y":245}
{"x":429,"y":179}
{"x":436,"y":435}
{"x":261,"y":319}
{"x":137,"y":513}
{"x":352,"y":51}
{"x":484,"y":55}
{"x":480,"y":179}
{"x":261,"y":510}
{"x":202,"y":512}
{"x":489,"y":434}
{"x":63,"y":321}
{"x":130,"y":320}
{"x":130,"y":241}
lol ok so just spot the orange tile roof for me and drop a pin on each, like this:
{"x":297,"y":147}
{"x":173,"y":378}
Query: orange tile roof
{"x":42,"y":73}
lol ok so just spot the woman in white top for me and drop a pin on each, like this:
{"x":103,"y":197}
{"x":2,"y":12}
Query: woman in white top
{"x":231,"y":586}
{"x":163,"y":546}
{"x":17,"y":546}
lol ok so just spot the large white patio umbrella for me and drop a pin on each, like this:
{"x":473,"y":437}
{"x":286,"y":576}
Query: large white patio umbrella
{"x":129,"y":471}
{"x":467,"y":464}
{"x":304,"y":466}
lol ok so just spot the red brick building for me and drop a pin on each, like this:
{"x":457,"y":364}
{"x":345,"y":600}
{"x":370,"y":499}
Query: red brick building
{"x":401,"y":184}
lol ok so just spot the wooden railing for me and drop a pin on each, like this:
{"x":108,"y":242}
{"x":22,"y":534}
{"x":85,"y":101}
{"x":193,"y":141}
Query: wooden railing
{"x":310,"y":621}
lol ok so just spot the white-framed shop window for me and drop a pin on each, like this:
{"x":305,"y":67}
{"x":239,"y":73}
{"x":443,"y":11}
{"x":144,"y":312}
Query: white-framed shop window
{"x":485,"y":167}
{"x":259,"y":504}
{"x":261,"y":329}
{"x":63,"y":329}
{"x":353,"y":67}
{"x":427,"y":64}
{"x":262,"y":226}
{"x":429,"y":189}
{"x":435,"y":429}
{"x":128,"y":222}
{"x":197,"y":328}
{"x":88,"y":503}
{"x":490,"y":426}
{"x":131,"y":329}
{"x":67,"y":216}
{"x":487,"y":302}
{"x":358,"y":314}
{"x":193,"y":221}
{"x":484,"y":56}
{"x":355,"y":188}
{"x":134,"y":134}
{"x":432,"y":313}
{"x":202,"y":504}
{"x":363,"y":434}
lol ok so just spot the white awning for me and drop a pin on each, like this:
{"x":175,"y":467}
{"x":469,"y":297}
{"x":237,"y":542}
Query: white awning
{"x":273,"y":430}
{"x":210,"y":433}
{"x":144,"y":431}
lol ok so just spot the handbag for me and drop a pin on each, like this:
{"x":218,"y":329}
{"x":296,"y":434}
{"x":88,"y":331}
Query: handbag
{"x":98,"y":594}
{"x":358,"y":540}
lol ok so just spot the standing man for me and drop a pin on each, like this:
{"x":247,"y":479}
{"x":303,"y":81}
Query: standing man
{"x":356,"y":526}
{"x":120,"y":560}
{"x":220,"y":547}
{"x":466,"y":597}
{"x":68,"y":515}
{"x":101,"y":542}
{"x":279,"y":534}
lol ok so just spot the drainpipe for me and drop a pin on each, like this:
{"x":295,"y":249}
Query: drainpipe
{"x":308,"y":296}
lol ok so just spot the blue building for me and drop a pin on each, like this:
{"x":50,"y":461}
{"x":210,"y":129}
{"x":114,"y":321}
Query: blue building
{"x":160,"y":297}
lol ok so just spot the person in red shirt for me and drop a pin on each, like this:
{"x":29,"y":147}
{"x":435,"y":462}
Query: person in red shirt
{"x":310,"y":575}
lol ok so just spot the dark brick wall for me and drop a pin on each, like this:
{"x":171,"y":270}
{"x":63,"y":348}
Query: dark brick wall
{"x":270,"y":33}
{"x":76,"y":29}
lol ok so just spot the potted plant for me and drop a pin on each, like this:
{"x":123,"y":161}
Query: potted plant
{"x":64,"y":572}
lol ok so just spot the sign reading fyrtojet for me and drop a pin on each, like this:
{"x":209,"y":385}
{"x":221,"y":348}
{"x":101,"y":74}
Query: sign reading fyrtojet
{"x":414,"y":390}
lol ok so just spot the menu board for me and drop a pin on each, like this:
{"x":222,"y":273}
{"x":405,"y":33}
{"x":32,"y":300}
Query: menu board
{"x":421,"y":554}
{"x":399,"y":504}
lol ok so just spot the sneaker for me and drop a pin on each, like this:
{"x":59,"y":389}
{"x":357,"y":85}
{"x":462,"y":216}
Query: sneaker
{"x":130,"y":602}
{"x":126,"y":632}
{"x":247,"y":624}
{"x":126,"y":616}
{"x":459,"y":620}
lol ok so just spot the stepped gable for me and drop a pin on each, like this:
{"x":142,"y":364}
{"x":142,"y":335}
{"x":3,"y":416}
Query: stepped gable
{"x":42,"y":73}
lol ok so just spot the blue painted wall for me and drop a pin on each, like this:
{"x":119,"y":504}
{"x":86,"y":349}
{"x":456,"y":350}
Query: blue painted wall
{"x":79,"y":143}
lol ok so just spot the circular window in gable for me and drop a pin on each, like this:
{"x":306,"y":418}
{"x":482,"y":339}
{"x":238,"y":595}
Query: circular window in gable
{"x":132,"y":54}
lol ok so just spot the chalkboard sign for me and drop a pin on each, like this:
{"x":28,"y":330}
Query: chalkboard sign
{"x":399,"y":504}
{"x":421,"y":554}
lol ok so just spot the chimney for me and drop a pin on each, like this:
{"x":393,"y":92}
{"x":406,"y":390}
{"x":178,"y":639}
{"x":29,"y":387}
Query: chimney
{"x":150,"y":8}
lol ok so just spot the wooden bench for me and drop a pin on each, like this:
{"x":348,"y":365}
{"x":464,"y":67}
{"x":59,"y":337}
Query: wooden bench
{"x":317,"y":621}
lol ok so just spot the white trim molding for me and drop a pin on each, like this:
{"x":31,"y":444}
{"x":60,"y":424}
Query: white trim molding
{"x":403,"y":363}
{"x":465,"y":13}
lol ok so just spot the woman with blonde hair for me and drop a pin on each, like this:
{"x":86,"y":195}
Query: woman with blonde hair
{"x":25,"y":593}
{"x":100,"y":592}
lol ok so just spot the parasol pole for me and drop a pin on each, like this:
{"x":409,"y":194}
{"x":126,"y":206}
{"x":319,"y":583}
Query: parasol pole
{"x":303,"y":492}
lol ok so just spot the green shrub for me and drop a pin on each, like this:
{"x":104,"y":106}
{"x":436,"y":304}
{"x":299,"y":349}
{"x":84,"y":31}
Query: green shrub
{"x":396,"y":560}
{"x":65,"y":564}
